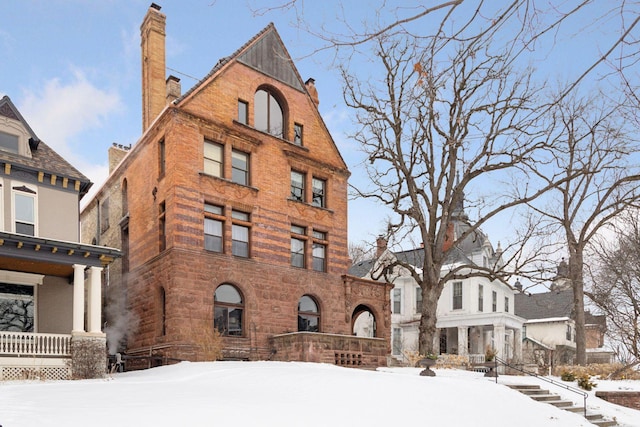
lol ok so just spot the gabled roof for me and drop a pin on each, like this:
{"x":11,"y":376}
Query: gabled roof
{"x":43,"y":158}
{"x":546,"y":305}
{"x":264,"y":52}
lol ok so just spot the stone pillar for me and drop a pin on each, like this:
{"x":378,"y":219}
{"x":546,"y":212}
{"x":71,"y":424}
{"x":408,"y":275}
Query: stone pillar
{"x":78,"y":298}
{"x":517,"y":344}
{"x":95,"y":300}
{"x":498,"y":340}
{"x":463,"y":338}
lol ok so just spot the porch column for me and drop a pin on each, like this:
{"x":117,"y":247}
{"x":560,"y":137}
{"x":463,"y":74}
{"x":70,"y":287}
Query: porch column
{"x":95,"y":300}
{"x":498,"y":340}
{"x":517,"y":345}
{"x":463,"y":339}
{"x":78,"y":298}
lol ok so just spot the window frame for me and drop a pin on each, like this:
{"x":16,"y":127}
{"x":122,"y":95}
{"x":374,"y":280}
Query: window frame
{"x":506,"y":304}
{"x":309,"y":314}
{"x":456,"y":294}
{"x":298,"y":189}
{"x":243,"y":110}
{"x":162,"y":157}
{"x":240,"y":220}
{"x":319,"y":263}
{"x":30,"y":192}
{"x":268,"y":116}
{"x":298,"y":249}
{"x":225,"y":306}
{"x":396,"y":342}
{"x":210,"y":163}
{"x":237,"y":172}
{"x":494,"y":301}
{"x":322,"y":194}
{"x":298,"y":132}
{"x":480,"y":298}
{"x":396,"y":301}
{"x":214,"y":214}
{"x":162,"y":226}
{"x":418,"y":300}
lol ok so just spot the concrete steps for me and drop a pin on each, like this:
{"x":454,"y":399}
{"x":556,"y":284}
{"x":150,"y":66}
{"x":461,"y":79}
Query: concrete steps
{"x":544,"y":396}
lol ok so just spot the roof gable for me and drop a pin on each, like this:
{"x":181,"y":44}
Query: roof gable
{"x":268,"y":55}
{"x":545,"y":305}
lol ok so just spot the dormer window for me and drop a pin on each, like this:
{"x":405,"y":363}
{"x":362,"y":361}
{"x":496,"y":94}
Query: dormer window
{"x":9,"y":142}
{"x":268,"y":114}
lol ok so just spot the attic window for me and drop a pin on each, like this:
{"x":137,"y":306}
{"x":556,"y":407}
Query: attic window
{"x":10,"y":143}
{"x":268,"y":114}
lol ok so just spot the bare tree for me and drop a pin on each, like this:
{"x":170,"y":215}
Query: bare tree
{"x":450,"y":113}
{"x":615,"y":285}
{"x":591,"y":147}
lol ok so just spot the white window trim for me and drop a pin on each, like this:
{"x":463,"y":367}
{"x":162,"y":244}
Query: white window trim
{"x":25,"y":279}
{"x":35,"y":205}
{"x":401,"y":300}
{"x":16,"y":128}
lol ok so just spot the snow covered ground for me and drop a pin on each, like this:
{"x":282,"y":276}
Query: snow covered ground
{"x":289,"y":394}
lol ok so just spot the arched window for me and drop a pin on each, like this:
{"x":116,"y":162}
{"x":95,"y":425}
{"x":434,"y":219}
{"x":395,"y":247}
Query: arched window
{"x":228,"y":308}
{"x":268,"y":115}
{"x":308,"y":315}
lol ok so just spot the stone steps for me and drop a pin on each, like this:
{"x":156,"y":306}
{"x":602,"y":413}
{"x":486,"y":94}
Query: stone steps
{"x":544,"y":396}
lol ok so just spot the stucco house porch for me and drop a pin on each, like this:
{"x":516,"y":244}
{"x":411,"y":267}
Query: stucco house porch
{"x":50,"y":304}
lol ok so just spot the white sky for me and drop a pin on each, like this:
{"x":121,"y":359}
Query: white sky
{"x":280,"y":394}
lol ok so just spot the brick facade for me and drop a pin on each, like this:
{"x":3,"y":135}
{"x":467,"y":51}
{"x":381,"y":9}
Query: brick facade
{"x":170,"y":278}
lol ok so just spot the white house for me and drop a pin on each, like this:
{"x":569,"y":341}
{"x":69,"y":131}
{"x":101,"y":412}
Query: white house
{"x":473,"y":313}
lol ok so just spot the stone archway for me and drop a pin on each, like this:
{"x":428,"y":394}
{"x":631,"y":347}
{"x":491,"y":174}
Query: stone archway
{"x":363,"y":322}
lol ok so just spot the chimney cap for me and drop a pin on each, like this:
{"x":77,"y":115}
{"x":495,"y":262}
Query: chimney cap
{"x":155,"y":6}
{"x":310,"y":80}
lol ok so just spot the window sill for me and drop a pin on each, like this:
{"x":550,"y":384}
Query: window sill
{"x":310,"y":205}
{"x":227,"y":181}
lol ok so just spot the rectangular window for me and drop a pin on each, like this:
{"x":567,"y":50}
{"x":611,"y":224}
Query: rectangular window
{"x":162,"y":232}
{"x":161,"y":158}
{"x":318,"y":187}
{"x":24,"y":210}
{"x":506,"y":304}
{"x":243,"y":112}
{"x":480,"y":298}
{"x":494,"y":301}
{"x":568,"y":336}
{"x":213,"y":155}
{"x":213,"y":228}
{"x":298,"y":241}
{"x":319,"y":252}
{"x":9,"y":143}
{"x":17,"y":308}
{"x":240,"y":167}
{"x":397,"y":301}
{"x":418,"y":300}
{"x":104,"y":215}
{"x":457,"y":295}
{"x":297,"y":134}
{"x":397,"y":341}
{"x":297,"y":185}
{"x":240,"y":234}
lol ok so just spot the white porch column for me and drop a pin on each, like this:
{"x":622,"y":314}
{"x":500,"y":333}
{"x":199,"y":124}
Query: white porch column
{"x":463,"y":338}
{"x":78,"y":298}
{"x":517,"y":345}
{"x":498,"y":340}
{"x":95,"y":300}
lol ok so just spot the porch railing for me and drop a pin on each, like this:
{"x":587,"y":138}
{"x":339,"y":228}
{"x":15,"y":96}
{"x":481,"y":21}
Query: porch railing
{"x":34,"y":344}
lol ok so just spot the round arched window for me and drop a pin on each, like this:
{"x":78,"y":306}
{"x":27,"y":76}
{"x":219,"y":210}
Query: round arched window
{"x":228,"y":307}
{"x":308,"y":315}
{"x":268,"y":116}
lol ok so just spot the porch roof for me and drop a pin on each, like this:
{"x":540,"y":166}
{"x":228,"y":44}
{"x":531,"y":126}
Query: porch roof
{"x":19,"y":252}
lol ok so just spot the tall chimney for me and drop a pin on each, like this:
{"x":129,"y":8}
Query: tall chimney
{"x":152,"y":42}
{"x":310,"y":84}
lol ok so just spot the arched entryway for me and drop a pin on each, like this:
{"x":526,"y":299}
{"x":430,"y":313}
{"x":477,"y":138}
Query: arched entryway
{"x":363,"y":322}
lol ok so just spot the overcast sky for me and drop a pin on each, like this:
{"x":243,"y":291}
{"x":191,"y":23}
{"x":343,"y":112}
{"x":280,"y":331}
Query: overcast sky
{"x":72,"y":67}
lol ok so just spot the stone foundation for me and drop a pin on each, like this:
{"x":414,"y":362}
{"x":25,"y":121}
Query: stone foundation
{"x":88,"y":356}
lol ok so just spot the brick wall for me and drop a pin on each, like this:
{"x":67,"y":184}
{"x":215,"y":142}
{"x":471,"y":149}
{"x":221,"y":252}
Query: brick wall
{"x":630,"y":399}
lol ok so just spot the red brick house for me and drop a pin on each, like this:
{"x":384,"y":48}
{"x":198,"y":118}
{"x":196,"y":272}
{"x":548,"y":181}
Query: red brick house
{"x":231,"y":212}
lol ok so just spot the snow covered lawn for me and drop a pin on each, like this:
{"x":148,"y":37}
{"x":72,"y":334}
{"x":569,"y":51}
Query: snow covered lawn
{"x":286,"y":394}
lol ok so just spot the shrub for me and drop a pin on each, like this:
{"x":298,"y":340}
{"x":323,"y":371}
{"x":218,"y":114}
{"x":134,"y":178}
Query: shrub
{"x":584,"y":382}
{"x":568,"y":376}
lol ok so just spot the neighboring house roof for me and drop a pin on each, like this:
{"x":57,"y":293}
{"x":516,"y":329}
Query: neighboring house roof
{"x":545,"y":305}
{"x":361,"y":268}
{"x":538,"y":343}
{"x":43,"y":158}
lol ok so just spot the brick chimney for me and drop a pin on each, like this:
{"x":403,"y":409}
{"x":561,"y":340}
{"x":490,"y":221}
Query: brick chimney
{"x":381,"y":246}
{"x":116,"y":153}
{"x":173,"y":88}
{"x":310,"y":84}
{"x":152,"y":42}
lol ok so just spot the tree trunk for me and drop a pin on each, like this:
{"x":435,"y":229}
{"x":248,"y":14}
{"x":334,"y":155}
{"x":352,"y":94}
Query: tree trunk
{"x":428,"y":318}
{"x":576,"y":266}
